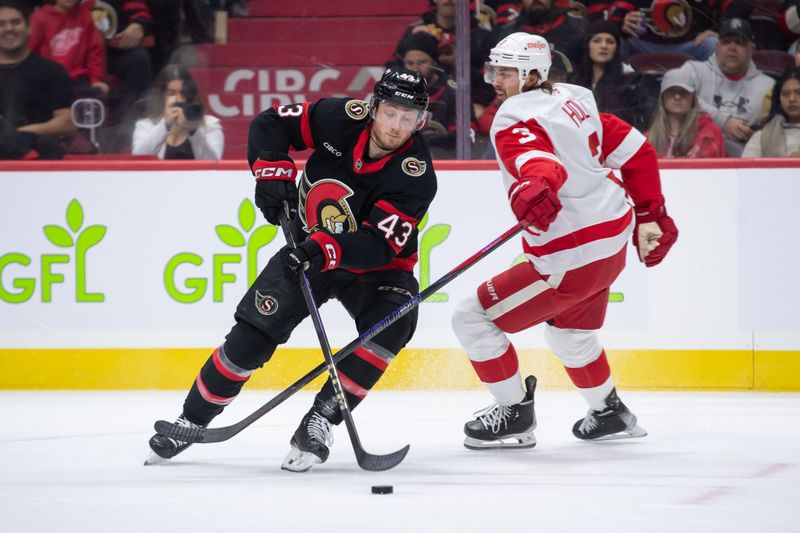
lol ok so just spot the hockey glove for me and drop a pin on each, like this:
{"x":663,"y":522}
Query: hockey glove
{"x":655,"y":233}
{"x":533,"y":203}
{"x":319,"y":253}
{"x":275,"y":184}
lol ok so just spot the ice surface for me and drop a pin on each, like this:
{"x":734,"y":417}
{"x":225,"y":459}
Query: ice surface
{"x":727,"y":462}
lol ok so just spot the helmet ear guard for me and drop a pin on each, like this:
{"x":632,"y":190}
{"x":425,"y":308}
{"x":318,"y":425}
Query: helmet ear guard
{"x":523,"y":51}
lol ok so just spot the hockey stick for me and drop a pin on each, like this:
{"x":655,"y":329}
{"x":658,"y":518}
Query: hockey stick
{"x":208,"y":435}
{"x":366,"y":460}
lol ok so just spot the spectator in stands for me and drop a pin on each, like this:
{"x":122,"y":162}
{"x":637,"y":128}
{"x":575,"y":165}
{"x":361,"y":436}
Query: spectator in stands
{"x":790,"y":21}
{"x":125,"y":24}
{"x":729,"y":86}
{"x":35,"y":93}
{"x":556,"y":24}
{"x":598,"y":9}
{"x":561,"y":68}
{"x":680,"y":128}
{"x":775,"y":23}
{"x":176,"y":126}
{"x":617,"y":89}
{"x":126,"y":28}
{"x":420,"y":54}
{"x":780,"y":136}
{"x":650,"y":28}
{"x":440,"y":22}
{"x":64,"y":32}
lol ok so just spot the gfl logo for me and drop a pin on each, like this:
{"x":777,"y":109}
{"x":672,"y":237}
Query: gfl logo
{"x":51,"y":269}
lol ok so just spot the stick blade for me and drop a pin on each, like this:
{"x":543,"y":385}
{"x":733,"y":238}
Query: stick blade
{"x":377,"y":463}
{"x":174,"y":431}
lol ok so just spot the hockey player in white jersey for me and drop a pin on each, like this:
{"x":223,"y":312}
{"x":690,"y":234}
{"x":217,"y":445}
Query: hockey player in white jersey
{"x":556,"y":154}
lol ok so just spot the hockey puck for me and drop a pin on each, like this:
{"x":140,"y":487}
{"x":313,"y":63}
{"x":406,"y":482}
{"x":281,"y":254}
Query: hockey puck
{"x":382,"y":489}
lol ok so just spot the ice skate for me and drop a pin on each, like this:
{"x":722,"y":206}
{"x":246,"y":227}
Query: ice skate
{"x":310,"y":443}
{"x":500,"y":426}
{"x":614,"y":422}
{"x":163,"y":447}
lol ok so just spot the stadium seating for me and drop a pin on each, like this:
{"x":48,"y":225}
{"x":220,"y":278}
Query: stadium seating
{"x":657,"y":63}
{"x":297,"y":51}
{"x":773,"y":62}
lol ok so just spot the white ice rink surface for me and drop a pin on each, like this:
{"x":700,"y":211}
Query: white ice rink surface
{"x":713,"y":462}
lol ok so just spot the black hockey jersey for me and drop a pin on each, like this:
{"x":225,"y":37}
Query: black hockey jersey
{"x":371,"y":208}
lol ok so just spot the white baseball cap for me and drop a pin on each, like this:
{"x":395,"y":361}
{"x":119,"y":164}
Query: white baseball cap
{"x":676,"y":78}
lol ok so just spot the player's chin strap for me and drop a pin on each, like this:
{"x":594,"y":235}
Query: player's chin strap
{"x":221,"y":434}
{"x":366,"y":460}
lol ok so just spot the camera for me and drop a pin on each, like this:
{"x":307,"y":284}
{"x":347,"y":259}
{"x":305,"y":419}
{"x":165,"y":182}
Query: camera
{"x":192,"y":111}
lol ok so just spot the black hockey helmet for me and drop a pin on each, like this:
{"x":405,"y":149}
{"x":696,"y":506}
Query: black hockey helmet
{"x":402,"y":87}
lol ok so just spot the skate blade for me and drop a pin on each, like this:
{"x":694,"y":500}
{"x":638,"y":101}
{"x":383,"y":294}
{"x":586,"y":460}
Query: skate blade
{"x":299,"y":461}
{"x":633,"y":433}
{"x":520,"y":440}
{"x":153,"y":459}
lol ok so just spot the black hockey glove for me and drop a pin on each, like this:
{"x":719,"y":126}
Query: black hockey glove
{"x":319,"y":253}
{"x":275,"y":184}
{"x":307,"y":257}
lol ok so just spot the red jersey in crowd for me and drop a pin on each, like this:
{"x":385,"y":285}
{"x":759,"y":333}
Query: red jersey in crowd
{"x":70,"y":39}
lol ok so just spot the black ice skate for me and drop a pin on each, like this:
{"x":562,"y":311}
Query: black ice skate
{"x":164,"y":447}
{"x":310,"y":443}
{"x":614,"y":422}
{"x":500,"y":426}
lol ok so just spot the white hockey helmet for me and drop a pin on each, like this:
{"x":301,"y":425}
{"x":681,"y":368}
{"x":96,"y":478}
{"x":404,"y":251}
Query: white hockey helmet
{"x":523,"y":51}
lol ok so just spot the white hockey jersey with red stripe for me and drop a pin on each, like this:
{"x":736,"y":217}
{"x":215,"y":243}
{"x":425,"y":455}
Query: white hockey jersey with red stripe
{"x":562,"y":138}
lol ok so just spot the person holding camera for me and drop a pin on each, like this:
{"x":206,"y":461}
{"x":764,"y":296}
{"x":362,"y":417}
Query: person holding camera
{"x":176,"y":126}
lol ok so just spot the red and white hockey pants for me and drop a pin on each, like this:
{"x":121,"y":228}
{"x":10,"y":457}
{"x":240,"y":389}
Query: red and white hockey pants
{"x":573,"y":305}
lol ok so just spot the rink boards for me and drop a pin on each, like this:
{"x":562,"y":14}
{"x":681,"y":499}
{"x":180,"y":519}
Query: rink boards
{"x":124,"y":276}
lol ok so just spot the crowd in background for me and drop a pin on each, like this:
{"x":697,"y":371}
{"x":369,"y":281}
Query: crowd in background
{"x":702,"y":78}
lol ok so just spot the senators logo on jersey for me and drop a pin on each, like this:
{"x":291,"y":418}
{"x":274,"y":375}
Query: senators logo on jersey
{"x":323,"y":204}
{"x":413,"y":166}
{"x":356,"y":109}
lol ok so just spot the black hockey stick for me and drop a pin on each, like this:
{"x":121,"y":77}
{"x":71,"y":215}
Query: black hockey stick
{"x":366,"y":460}
{"x":209,"y":435}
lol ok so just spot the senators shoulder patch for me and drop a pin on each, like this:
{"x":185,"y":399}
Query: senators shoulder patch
{"x":413,"y":166}
{"x":356,"y":109}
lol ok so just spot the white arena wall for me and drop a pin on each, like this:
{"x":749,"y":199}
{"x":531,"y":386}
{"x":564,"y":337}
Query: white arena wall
{"x":124,"y":274}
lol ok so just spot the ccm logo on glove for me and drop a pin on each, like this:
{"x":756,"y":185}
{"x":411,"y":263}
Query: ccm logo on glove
{"x":274,"y":170}
{"x":333,"y":258}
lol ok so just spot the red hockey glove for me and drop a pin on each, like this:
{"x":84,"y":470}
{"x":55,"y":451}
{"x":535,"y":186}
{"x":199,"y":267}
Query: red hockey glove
{"x":533,"y":203}
{"x":655,"y":233}
{"x":275,"y":184}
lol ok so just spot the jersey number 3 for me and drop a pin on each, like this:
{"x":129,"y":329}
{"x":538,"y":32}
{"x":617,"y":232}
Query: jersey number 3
{"x":389,"y":225}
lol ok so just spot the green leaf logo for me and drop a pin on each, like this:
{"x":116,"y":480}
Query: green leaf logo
{"x":247,"y":215}
{"x":74,"y":215}
{"x":230,"y":235}
{"x":61,"y":237}
{"x":58,"y":236}
{"x":91,"y":236}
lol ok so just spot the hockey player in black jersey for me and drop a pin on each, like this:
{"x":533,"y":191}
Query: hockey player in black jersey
{"x":365,"y":189}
